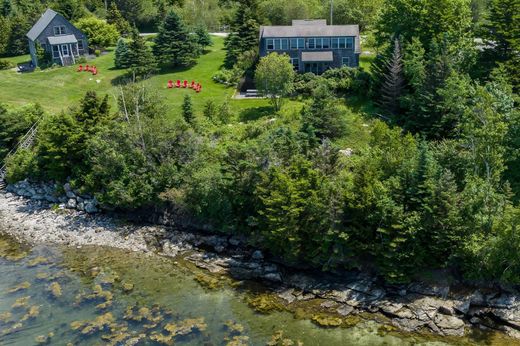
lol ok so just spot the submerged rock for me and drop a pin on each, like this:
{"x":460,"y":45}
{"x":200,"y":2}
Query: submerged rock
{"x":20,"y":287}
{"x":55,"y":289}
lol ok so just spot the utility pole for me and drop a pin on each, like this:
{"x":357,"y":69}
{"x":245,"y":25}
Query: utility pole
{"x":331,"y":10}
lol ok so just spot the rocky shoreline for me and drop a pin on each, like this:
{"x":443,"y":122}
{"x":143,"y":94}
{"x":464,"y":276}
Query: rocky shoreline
{"x":442,"y":309}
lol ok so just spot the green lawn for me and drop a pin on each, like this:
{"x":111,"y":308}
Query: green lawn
{"x":56,"y":89}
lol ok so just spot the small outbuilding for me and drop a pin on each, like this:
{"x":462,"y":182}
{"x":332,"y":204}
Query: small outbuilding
{"x":58,"y":37}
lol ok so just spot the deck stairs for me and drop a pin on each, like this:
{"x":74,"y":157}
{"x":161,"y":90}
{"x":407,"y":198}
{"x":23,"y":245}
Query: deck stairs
{"x":25,"y":142}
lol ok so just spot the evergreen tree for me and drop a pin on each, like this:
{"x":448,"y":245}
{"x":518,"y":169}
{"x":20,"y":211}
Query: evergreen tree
{"x":210,"y":110}
{"x":503,"y":33}
{"x":7,"y":8}
{"x":187,"y":110}
{"x":5,"y":29}
{"x":115,"y":17}
{"x":122,"y":54}
{"x":174,"y":44}
{"x":392,"y":83}
{"x":323,"y":118}
{"x":203,"y":37}
{"x":244,"y":33}
{"x":141,"y":59}
{"x":17,"y":44}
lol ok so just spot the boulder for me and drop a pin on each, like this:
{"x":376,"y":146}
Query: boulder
{"x":257,"y":255}
{"x":71,"y":204}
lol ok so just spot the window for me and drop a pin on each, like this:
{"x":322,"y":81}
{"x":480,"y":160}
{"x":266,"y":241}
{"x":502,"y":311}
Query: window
{"x":350,"y":42}
{"x":297,"y":43}
{"x":65,"y":49}
{"x":80,"y":44}
{"x":55,"y":52}
{"x":334,"y":42}
{"x":59,"y":30}
{"x":318,"y":43}
{"x":296,"y":63}
{"x":345,"y":61}
{"x":278,"y":44}
{"x":326,"y":43}
{"x":311,"y":44}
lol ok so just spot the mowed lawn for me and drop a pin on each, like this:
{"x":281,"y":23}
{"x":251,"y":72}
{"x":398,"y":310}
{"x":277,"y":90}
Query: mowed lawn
{"x":57,"y":89}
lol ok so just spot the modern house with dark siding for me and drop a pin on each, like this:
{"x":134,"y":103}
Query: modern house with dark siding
{"x":312,"y":45}
{"x":57,"y":36}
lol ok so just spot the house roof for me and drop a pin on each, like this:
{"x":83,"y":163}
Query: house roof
{"x":312,"y":30}
{"x":317,"y":56}
{"x":309,"y":30}
{"x":62,"y":39}
{"x":41,"y":24}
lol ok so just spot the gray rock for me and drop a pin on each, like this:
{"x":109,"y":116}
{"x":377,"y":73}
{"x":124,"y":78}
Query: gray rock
{"x":450,"y":325}
{"x":257,"y":255}
{"x":275,"y":277}
{"x":66,"y":187}
{"x":70,"y":194}
{"x":80,"y":206}
{"x":71,"y":204}
{"x":345,"y":310}
{"x":90,"y":207}
{"x":287,"y":295}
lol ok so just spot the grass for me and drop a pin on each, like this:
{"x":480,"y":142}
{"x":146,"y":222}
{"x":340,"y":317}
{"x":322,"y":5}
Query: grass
{"x":56,"y":89}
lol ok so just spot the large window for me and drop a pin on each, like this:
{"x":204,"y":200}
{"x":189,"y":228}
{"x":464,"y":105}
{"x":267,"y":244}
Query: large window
{"x":342,"y":42}
{"x":277,"y":44}
{"x":59,"y":30}
{"x":80,"y":44}
{"x":311,"y":43}
{"x":345,"y":61}
{"x":297,"y":43}
{"x":65,"y":49}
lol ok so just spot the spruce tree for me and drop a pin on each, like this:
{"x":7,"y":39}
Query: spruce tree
{"x":187,"y":110}
{"x":141,"y":59}
{"x":244,"y":33}
{"x":393,"y":82}
{"x":122,"y":54}
{"x":174,"y":44}
{"x":503,"y":33}
{"x":115,"y":17}
{"x":17,"y":44}
{"x":7,"y":8}
{"x":203,"y":37}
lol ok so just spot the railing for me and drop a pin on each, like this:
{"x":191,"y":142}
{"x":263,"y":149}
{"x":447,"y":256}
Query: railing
{"x":24,"y":143}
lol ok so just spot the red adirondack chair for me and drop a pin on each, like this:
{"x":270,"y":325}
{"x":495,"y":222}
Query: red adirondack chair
{"x":192,"y":86}
{"x":170,"y":84}
{"x":80,"y":68}
{"x":94,"y":71}
{"x":185,"y":84}
{"x":178,"y":84}
{"x":87,"y":68}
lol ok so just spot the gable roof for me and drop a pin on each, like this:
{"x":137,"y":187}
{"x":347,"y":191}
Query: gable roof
{"x":41,"y":24}
{"x":310,"y":30}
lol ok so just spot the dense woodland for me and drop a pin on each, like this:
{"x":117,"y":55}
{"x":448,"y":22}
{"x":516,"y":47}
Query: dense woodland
{"x":410,"y":166}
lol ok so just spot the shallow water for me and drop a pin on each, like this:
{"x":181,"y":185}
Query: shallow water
{"x":59,"y":296}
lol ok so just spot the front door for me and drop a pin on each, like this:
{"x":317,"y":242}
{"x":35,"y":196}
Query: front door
{"x":65,"y":50}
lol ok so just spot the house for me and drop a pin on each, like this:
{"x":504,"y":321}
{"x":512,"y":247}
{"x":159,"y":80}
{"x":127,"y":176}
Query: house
{"x":58,"y":37}
{"x":312,"y":45}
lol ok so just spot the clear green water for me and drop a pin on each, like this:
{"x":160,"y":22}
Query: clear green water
{"x":168,"y":289}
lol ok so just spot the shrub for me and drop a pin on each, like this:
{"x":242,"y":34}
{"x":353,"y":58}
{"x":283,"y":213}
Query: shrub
{"x":21,"y":165}
{"x":81,"y":60}
{"x":97,"y":52}
{"x":6,"y":65}
{"x":229,"y":77}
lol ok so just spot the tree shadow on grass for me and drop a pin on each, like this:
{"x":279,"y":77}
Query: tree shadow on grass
{"x":251,"y":114}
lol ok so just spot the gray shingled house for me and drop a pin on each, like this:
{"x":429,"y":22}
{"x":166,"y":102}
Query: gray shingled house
{"x":57,"y":36}
{"x":312,"y":45}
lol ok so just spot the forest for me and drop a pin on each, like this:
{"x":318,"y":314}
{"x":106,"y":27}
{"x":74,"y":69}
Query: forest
{"x":409,"y":165}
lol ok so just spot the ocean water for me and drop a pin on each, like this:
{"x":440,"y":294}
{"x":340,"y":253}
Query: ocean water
{"x":102,"y":296}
